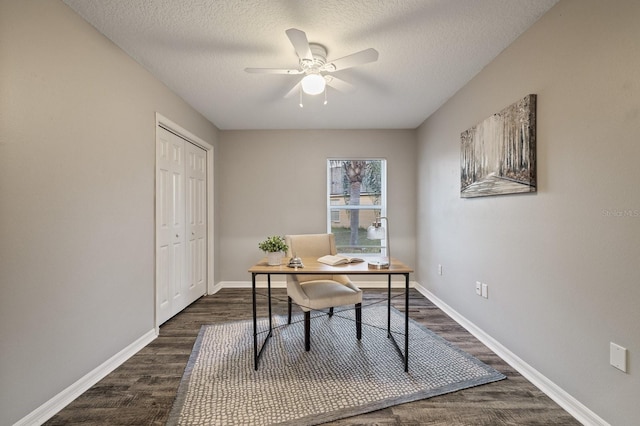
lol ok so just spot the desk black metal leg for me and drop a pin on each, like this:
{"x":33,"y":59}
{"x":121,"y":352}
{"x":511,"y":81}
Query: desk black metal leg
{"x":255,"y":323}
{"x":404,"y":355}
{"x":269,"y":297}
{"x":257,"y":353}
{"x":406,"y":323}
{"x":389,"y":307}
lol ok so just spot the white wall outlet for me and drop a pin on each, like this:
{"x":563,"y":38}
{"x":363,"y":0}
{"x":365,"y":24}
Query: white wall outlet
{"x":478,"y":288}
{"x":439,"y":269}
{"x":485,"y":291}
{"x":618,"y":356}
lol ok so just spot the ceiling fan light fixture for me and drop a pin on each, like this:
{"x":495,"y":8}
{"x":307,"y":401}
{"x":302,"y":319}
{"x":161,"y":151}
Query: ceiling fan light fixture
{"x":313,"y":66}
{"x":313,"y":84}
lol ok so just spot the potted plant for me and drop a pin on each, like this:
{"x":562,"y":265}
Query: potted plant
{"x":275,"y":247}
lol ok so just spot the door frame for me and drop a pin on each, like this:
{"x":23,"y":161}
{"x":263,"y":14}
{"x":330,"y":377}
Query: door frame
{"x":162,"y":121}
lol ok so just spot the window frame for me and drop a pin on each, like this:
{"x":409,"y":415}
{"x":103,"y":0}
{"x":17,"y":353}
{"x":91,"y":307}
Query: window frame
{"x":381,"y":209}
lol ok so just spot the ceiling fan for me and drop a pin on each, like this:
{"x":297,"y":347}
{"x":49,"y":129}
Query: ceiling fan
{"x":314,"y":66}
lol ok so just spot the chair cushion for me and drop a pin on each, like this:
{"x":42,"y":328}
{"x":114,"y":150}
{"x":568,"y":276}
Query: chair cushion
{"x":326,"y":294}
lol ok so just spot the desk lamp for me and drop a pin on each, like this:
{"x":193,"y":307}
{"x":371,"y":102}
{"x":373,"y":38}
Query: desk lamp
{"x":378,"y":232}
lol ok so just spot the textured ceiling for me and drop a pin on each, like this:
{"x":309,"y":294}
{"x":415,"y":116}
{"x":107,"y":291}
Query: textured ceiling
{"x":428,"y":50}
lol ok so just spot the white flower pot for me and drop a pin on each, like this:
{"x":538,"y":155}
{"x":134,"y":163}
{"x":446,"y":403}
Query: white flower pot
{"x":274,"y":258}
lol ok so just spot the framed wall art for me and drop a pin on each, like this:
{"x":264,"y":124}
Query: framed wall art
{"x":498,"y":155}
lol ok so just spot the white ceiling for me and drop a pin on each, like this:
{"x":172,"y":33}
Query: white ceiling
{"x":428,"y":50}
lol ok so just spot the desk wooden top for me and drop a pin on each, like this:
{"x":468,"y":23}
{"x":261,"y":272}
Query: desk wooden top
{"x":312,"y":266}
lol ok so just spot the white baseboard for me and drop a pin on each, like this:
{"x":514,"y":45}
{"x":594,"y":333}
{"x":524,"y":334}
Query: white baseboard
{"x":574,"y":407}
{"x":214,"y":288}
{"x":278,"y":283}
{"x":61,"y":400}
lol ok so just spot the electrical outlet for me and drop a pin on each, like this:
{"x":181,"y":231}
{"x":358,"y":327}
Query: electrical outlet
{"x":618,"y":356}
{"x":485,"y":291}
{"x":439,"y":269}
{"x":478,"y":288}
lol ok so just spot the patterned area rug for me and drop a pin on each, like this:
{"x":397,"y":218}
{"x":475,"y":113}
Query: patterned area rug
{"x":340,"y":377}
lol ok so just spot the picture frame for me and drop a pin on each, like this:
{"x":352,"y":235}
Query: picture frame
{"x":498,"y":155}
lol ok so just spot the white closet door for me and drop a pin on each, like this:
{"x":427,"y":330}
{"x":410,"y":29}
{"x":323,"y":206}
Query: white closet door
{"x":170,"y":225}
{"x":181,"y":231}
{"x":196,"y":222}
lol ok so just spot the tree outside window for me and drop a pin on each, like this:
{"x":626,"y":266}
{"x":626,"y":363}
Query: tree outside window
{"x":356,"y":196}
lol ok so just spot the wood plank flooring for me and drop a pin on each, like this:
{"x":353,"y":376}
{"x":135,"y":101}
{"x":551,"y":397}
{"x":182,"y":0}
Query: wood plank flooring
{"x":142,"y":390}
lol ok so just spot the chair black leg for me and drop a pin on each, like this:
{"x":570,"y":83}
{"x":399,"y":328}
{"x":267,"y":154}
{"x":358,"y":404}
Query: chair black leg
{"x":359,"y":320}
{"x":289,"y":322}
{"x":331,"y":312}
{"x":307,"y":331}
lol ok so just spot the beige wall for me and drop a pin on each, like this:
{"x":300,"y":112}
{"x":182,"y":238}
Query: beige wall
{"x":77,"y":165}
{"x":275,"y":182}
{"x":562,"y":265}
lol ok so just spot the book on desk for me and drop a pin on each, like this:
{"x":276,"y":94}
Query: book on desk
{"x":338,"y":259}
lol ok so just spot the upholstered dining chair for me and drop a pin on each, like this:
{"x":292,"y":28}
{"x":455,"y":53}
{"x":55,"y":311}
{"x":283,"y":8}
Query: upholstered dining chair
{"x":315,"y":292}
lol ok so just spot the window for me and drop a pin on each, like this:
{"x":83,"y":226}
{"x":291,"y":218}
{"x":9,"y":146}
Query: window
{"x":356,"y":195}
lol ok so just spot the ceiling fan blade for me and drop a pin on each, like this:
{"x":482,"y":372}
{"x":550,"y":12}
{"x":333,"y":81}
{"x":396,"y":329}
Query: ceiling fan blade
{"x":338,"y":84}
{"x":300,"y":43}
{"x":359,"y":58}
{"x":294,"y":90}
{"x":271,"y":71}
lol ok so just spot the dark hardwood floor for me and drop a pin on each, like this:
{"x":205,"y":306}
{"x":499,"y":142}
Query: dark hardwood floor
{"x":142,"y":390}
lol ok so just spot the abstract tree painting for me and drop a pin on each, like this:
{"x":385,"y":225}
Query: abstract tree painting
{"x":498,"y":155}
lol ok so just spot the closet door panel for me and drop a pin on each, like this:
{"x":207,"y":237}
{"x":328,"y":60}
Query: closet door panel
{"x":170,"y":226}
{"x":196,"y":224}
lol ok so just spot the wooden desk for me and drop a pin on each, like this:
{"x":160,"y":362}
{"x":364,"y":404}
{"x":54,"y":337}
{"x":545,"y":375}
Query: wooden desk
{"x":312,"y":266}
